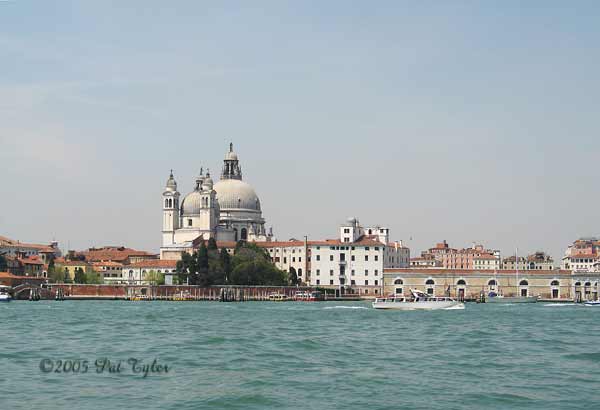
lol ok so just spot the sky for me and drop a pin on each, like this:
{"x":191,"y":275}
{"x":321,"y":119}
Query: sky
{"x":469,"y":121}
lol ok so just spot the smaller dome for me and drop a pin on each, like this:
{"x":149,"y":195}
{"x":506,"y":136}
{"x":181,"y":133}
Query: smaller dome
{"x":231,"y":156}
{"x":192,"y":203}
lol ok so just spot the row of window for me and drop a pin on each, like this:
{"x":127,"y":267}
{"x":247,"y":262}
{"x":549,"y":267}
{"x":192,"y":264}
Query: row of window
{"x":352,"y":272}
{"x":492,"y":282}
{"x":352,"y":283}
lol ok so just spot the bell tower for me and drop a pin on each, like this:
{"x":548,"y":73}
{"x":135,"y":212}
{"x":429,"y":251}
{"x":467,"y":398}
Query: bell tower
{"x":170,"y":198}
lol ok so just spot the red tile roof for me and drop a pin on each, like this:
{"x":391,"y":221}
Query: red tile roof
{"x":585,"y":255}
{"x":32,"y":260}
{"x":450,"y":272}
{"x":112,"y":253}
{"x":11,"y":242}
{"x":154,"y":263}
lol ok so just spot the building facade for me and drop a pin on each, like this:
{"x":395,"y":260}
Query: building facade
{"x":582,"y":256}
{"x":470,"y":283}
{"x":354,"y":263}
{"x":465,"y":258}
{"x":13,"y":248}
{"x":228,"y":211}
{"x":536,"y":261}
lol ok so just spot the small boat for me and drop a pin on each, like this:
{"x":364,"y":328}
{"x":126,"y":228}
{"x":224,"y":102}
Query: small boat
{"x":278,"y":297}
{"x":418,"y":301}
{"x":137,"y":298}
{"x":5,"y":293}
{"x":301,"y":296}
{"x":315,"y":296}
{"x":492,"y":297}
{"x":592,"y":303}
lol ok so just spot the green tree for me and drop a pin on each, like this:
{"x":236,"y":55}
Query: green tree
{"x":56,"y":275}
{"x":3,"y":264}
{"x":293,"y":277}
{"x":79,"y":276}
{"x":51,"y":266}
{"x":183,"y":268}
{"x":67,"y":277}
{"x":93,"y":278}
{"x":155,"y":278}
{"x":203,"y":277}
{"x":225,"y":260}
{"x":212,"y":245}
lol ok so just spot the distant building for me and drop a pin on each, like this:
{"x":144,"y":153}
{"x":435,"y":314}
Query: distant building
{"x":486,"y":261}
{"x":110,"y":271}
{"x":12,"y":247}
{"x":536,"y":261}
{"x":136,"y":273}
{"x":583,"y":255}
{"x":425,"y":261}
{"x":227,"y":211}
{"x":119,"y":254}
{"x":468,"y":258}
{"x":433,"y":257}
{"x":354,"y":263}
{"x":69,"y":267}
{"x":351,"y":264}
{"x":469,"y":283}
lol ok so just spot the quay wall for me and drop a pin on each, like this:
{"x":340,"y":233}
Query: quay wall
{"x":237,"y":293}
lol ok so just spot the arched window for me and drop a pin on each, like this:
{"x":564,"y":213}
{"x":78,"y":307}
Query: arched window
{"x":235,"y":231}
{"x":244,"y":234}
{"x":523,"y":283}
{"x":577,"y":283}
{"x":430,"y":282}
{"x":587,"y":284}
{"x":170,"y":202}
{"x":461,"y":282}
{"x":398,"y":282}
{"x":492,"y":283}
{"x":300,"y":272}
{"x":166,"y":203}
{"x":555,"y":283}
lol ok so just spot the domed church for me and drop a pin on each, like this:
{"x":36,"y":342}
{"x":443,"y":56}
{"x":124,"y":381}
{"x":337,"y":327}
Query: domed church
{"x":227,"y":211}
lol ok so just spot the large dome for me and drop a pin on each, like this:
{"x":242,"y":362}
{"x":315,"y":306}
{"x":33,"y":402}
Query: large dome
{"x":236,"y":194}
{"x":192,"y":203}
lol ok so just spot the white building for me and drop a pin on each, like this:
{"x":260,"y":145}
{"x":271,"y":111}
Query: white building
{"x":351,"y":264}
{"x":583,"y":256}
{"x":136,"y":273}
{"x":487,"y":261}
{"x":229,"y":210}
{"x":354,"y":263}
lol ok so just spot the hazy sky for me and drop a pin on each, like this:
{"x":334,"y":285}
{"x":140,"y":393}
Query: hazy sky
{"x":465,"y":121}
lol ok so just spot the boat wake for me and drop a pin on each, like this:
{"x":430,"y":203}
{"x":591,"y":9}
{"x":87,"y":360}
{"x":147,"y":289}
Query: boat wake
{"x":559,"y":304}
{"x":345,"y":307}
{"x":457,"y":307}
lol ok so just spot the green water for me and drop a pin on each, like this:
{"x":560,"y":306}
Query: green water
{"x":301,"y":356}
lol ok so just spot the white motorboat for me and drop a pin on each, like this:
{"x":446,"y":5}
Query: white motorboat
{"x":592,"y":303}
{"x":4,"y":293}
{"x":418,"y":301}
{"x":494,"y":298}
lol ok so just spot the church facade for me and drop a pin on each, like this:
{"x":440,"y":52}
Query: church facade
{"x":228,"y":210}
